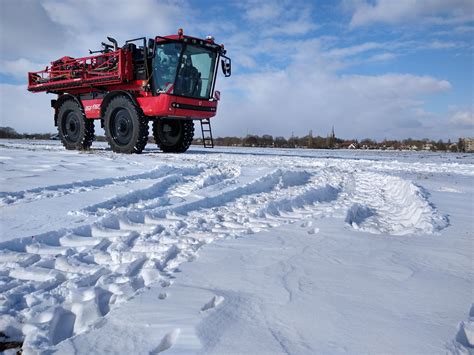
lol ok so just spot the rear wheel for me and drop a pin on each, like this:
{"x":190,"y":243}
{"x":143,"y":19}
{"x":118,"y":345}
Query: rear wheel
{"x":75,"y":130}
{"x":126,"y":129}
{"x":173,"y":136}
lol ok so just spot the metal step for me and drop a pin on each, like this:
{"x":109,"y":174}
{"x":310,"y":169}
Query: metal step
{"x":206,"y":131}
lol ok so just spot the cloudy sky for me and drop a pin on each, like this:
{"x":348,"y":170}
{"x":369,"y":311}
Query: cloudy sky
{"x":378,"y":68}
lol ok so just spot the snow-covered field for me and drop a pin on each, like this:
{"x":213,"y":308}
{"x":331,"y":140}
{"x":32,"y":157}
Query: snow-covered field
{"x":235,"y":251}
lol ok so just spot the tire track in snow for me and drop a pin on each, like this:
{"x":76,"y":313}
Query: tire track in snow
{"x":75,"y":276}
{"x":8,"y":198}
{"x":177,"y":185}
{"x":213,"y":176}
{"x":388,"y":204}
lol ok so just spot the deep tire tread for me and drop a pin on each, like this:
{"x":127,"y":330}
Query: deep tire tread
{"x":184,"y":142}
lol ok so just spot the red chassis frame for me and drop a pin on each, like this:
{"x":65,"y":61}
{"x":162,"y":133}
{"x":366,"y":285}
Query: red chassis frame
{"x":164,"y":105}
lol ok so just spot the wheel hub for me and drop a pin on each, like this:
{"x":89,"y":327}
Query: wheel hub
{"x":71,"y":127}
{"x":122,"y":127}
{"x":170,"y":132}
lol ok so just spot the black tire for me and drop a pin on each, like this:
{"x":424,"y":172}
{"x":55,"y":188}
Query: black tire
{"x":173,"y":136}
{"x":75,"y":130}
{"x":126,"y":128}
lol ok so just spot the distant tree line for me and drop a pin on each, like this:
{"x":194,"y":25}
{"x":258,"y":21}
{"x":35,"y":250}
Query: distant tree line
{"x":332,"y":142}
{"x":8,"y":132}
{"x":277,"y":142}
{"x":309,"y":141}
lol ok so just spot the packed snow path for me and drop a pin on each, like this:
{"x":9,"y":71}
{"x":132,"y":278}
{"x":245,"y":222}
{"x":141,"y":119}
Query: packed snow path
{"x":122,"y":223}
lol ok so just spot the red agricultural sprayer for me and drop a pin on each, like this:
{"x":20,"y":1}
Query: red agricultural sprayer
{"x":168,"y":80}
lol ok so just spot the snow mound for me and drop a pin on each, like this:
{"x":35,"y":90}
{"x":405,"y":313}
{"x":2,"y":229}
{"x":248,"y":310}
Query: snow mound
{"x":464,"y":340}
{"x":357,"y":214}
{"x":389,"y":204}
{"x":166,"y":342}
{"x":215,"y":301}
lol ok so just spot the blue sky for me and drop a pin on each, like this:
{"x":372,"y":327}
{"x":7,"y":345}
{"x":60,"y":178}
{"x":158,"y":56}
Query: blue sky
{"x":379,"y":69}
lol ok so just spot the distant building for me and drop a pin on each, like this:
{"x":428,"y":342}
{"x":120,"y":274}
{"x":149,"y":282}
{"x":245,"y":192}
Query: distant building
{"x":468,"y":144}
{"x":453,"y":147}
{"x":348,"y":145}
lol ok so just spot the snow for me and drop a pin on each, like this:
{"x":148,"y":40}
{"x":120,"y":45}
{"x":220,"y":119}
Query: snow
{"x":236,"y":250}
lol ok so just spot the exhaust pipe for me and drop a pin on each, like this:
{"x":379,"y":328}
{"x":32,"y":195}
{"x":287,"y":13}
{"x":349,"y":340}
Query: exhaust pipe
{"x":112,"y":40}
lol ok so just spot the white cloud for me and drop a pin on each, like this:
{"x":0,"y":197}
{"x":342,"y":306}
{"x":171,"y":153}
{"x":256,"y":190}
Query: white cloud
{"x":55,"y":28}
{"x":403,"y":11}
{"x":260,"y":11}
{"x":381,"y":57}
{"x":369,"y":52}
{"x":441,"y":45}
{"x":279,"y":17}
{"x":299,"y":26}
{"x":296,"y":21}
{"x":353,"y":50}
{"x":27,"y":31}
{"x":306,"y":96}
{"x":463,"y":118}
{"x":20,"y":67}
{"x":34,"y":33}
{"x":463,"y":29}
{"x":122,"y":17}
{"x":398,"y":85}
{"x":25,"y":111}
{"x":87,"y":26}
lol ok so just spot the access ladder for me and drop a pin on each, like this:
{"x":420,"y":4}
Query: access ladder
{"x":206,"y":131}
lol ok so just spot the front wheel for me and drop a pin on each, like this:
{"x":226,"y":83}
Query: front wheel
{"x":173,"y":136}
{"x":75,"y":130}
{"x":126,"y":129}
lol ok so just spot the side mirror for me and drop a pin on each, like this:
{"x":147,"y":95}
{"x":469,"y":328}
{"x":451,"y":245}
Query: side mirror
{"x":151,"y":43}
{"x":226,"y":65}
{"x":217,"y":95}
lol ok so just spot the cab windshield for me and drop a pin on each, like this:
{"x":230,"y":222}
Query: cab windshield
{"x":184,"y":69}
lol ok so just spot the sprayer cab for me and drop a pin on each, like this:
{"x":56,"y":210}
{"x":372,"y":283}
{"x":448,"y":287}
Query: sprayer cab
{"x":187,"y":66}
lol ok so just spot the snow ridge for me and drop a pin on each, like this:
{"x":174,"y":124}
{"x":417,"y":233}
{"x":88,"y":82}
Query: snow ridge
{"x":7,"y":198}
{"x":463,"y":343}
{"x":389,"y":204}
